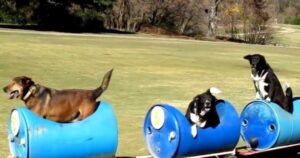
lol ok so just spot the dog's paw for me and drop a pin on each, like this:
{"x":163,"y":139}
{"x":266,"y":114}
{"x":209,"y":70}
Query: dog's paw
{"x":268,"y":99}
{"x":214,"y":90}
{"x":194,"y":118}
{"x":255,"y":78}
{"x":201,"y":124}
{"x":257,"y":96}
{"x":194,"y":131}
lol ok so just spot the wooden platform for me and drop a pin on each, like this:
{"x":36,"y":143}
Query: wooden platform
{"x":290,"y":151}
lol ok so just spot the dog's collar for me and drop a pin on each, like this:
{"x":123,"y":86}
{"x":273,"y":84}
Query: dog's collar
{"x":31,"y":91}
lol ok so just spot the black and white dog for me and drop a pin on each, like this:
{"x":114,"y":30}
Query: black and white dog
{"x":266,"y":83}
{"x":201,"y":111}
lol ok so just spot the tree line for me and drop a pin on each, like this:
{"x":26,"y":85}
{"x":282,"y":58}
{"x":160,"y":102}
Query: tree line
{"x":240,"y":20}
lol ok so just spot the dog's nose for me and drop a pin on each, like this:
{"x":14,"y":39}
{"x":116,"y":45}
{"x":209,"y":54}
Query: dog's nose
{"x":5,"y":89}
{"x":207,"y":103}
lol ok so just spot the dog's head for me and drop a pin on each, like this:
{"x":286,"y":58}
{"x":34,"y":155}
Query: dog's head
{"x":18,"y":87}
{"x":257,"y":62}
{"x":203,"y":103}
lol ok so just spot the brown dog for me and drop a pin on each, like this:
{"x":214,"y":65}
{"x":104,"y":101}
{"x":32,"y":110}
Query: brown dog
{"x":57,"y":105}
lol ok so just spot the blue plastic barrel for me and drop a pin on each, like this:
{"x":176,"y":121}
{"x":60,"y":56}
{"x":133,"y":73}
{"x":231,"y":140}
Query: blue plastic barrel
{"x":266,"y":124}
{"x":31,"y":136}
{"x":167,"y":132}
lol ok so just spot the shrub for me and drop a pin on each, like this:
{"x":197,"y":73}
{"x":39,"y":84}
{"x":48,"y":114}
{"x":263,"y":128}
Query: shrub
{"x":292,"y":20}
{"x":9,"y":17}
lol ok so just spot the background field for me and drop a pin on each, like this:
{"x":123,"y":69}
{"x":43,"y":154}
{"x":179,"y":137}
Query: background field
{"x":147,"y":70}
{"x":287,"y":35}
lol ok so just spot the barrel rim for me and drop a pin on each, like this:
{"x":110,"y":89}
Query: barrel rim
{"x":13,"y":146}
{"x":268,"y":104}
{"x":166,"y":107}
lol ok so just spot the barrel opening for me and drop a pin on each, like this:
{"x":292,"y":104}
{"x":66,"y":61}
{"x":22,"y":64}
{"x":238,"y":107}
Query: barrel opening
{"x":149,"y":130}
{"x":245,"y":122}
{"x":272,"y":127}
{"x":254,"y":142}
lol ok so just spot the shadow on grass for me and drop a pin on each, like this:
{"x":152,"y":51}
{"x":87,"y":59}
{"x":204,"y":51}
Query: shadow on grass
{"x":61,"y":29}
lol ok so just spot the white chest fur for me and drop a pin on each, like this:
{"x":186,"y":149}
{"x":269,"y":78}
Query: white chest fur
{"x":260,"y":84}
{"x":196,"y":119}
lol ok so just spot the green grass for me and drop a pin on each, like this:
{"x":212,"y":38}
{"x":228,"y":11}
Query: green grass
{"x":290,"y":37}
{"x":147,"y":71}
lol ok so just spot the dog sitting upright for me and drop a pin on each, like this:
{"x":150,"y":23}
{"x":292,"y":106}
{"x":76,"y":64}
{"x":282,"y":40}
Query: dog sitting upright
{"x":266,"y":83}
{"x":201,"y":111}
{"x":57,"y":105}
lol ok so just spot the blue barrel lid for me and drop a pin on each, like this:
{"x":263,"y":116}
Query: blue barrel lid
{"x":161,"y":131}
{"x":17,"y":134}
{"x":259,"y":123}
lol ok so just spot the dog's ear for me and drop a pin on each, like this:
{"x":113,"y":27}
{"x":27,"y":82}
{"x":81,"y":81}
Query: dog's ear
{"x":248,"y":57}
{"x":214,"y":90}
{"x":26,"y":80}
{"x":262,"y":59}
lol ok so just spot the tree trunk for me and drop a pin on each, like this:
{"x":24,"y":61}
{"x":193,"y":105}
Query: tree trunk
{"x":212,"y":18}
{"x":184,"y":24}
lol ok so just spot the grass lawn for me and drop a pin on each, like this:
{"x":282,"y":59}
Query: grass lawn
{"x":146,"y":71}
{"x":288,"y":35}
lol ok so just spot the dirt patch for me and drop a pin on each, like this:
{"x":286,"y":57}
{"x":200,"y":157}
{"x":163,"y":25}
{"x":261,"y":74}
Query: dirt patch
{"x":154,"y":30}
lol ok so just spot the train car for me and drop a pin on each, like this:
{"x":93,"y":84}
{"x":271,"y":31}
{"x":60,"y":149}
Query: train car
{"x":270,"y":131}
{"x":31,"y":136}
{"x":265,"y":124}
{"x":167,"y":132}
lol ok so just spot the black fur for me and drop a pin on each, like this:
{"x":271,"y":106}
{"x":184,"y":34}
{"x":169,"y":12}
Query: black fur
{"x":275,"y":92}
{"x":198,"y":104}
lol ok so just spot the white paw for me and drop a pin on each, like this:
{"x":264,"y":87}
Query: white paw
{"x":255,"y":78}
{"x":194,"y":131}
{"x":194,"y":117}
{"x":201,"y":124}
{"x":268,"y":99}
{"x":257,"y":96}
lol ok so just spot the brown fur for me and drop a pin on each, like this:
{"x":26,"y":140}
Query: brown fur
{"x":56,"y":105}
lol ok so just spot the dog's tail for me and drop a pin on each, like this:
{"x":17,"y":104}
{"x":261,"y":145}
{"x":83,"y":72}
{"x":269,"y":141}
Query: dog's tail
{"x":289,"y":95}
{"x":214,"y":90}
{"x":105,"y":82}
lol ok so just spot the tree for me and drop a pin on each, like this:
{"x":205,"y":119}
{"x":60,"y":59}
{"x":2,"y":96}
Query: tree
{"x":72,"y":15}
{"x":255,"y":16}
{"x":212,"y":13}
{"x":126,"y":15}
{"x":174,"y":16}
{"x":230,"y":18}
{"x":292,"y":13}
{"x":8,"y":15}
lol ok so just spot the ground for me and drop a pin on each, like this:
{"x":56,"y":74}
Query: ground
{"x":147,"y":70}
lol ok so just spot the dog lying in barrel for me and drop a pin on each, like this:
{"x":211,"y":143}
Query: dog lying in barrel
{"x":266,"y":83}
{"x":201,"y":111}
{"x":57,"y":105}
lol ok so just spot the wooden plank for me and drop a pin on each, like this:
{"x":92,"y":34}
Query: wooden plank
{"x":245,"y":151}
